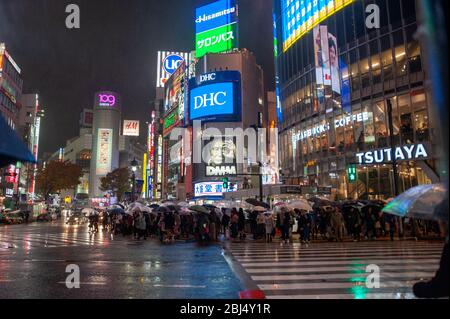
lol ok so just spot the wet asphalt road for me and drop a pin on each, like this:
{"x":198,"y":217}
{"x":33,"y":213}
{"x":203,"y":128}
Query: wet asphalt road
{"x":34,"y":257}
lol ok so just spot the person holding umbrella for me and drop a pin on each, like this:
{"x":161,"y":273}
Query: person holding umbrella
{"x":241,"y":224}
{"x":261,"y":225}
{"x":269,"y":225}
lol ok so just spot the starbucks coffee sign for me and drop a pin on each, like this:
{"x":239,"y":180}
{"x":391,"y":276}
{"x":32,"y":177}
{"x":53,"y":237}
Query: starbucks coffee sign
{"x":386,"y":155}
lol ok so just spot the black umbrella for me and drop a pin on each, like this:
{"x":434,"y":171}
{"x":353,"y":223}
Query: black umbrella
{"x":154,"y":206}
{"x":117,"y":211}
{"x":12,"y":149}
{"x":209,"y":206}
{"x":199,"y":209}
{"x":161,"y":209}
{"x":256,"y":202}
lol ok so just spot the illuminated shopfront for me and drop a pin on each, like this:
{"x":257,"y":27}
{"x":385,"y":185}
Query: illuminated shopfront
{"x":326,"y":124}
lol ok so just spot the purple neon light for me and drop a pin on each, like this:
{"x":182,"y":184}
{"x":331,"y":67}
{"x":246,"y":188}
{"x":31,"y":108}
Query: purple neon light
{"x":107,"y":99}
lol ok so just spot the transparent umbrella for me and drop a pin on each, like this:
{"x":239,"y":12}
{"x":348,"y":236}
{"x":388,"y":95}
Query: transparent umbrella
{"x":422,"y":202}
{"x":300,"y":204}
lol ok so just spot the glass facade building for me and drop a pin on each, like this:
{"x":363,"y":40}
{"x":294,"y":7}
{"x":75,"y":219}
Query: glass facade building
{"x":327,"y":117}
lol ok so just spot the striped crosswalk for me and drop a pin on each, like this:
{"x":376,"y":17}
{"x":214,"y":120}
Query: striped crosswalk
{"x":338,"y":270}
{"x":65,"y":239}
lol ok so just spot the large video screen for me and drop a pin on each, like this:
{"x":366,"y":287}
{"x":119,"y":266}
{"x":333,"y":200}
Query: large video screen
{"x":300,"y":16}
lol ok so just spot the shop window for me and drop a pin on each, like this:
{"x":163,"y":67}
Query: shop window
{"x":421,"y":126}
{"x":395,"y":120}
{"x":380,"y":123}
{"x":349,"y":25}
{"x":415,"y":64}
{"x":406,"y":128}
{"x":408,"y":10}
{"x":365,"y":80}
{"x":395,"y":14}
{"x":369,"y":127}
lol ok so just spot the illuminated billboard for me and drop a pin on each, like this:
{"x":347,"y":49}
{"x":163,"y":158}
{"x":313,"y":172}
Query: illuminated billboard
{"x":326,"y":58}
{"x":130,"y":128}
{"x":168,"y":62}
{"x":300,"y":16}
{"x":107,"y":100}
{"x":104,"y":151}
{"x":216,"y":27}
{"x":174,"y":91}
{"x":215,"y":97}
{"x":212,"y":189}
{"x":221,"y":157}
{"x":170,"y":122}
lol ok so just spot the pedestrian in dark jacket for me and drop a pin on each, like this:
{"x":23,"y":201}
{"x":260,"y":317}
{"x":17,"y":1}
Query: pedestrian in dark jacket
{"x":241,"y":224}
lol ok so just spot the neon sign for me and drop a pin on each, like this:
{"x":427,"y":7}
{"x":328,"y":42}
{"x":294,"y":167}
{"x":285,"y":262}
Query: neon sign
{"x":106,"y":100}
{"x":385,"y":155}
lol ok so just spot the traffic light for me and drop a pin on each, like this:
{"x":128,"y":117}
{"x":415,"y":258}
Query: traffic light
{"x":351,"y":173}
{"x":225,"y":183}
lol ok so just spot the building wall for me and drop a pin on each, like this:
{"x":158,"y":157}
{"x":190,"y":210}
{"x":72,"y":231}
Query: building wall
{"x":11,"y":84}
{"x":105,"y":117}
{"x":376,"y":65}
{"x":252,"y":98}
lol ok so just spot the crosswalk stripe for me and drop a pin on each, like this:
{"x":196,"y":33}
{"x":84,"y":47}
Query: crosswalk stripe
{"x":338,"y":262}
{"x":346,"y":296}
{"x":328,"y":285}
{"x":328,"y":268}
{"x":337,"y":270}
{"x":384,"y":275}
{"x":348,"y":258}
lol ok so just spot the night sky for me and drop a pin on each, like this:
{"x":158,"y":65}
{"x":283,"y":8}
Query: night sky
{"x":115,"y":49}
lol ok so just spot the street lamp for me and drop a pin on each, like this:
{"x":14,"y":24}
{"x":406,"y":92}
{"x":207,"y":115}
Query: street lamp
{"x":134,"y":165}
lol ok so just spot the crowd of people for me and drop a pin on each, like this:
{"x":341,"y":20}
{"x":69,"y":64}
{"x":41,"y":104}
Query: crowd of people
{"x":329,"y":223}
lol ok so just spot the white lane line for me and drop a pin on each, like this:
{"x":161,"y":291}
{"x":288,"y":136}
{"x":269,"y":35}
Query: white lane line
{"x":415,"y":267}
{"x":94,"y":283}
{"x":178,"y":286}
{"x":333,"y":285}
{"x":330,"y":252}
{"x":339,"y":262}
{"x":347,"y":296}
{"x":331,"y":259}
{"x":383,"y":275}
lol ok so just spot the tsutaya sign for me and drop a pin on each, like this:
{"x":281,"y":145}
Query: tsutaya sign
{"x":401,"y":153}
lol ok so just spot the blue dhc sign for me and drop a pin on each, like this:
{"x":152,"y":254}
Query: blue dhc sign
{"x":215,"y":97}
{"x":212,"y":99}
{"x":214,"y":15}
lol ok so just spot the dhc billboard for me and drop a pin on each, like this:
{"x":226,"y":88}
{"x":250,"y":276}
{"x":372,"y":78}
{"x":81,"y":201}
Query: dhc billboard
{"x":215,"y":97}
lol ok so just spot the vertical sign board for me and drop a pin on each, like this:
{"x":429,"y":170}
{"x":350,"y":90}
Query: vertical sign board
{"x":216,"y":27}
{"x":104,"y":151}
{"x":168,"y":62}
{"x":144,"y":176}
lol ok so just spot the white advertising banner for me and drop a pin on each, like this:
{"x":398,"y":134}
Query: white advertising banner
{"x":130,"y":128}
{"x":104,"y":151}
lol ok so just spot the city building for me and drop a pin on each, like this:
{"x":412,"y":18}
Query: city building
{"x":29,"y":127}
{"x":10,"y":87}
{"x":339,"y":81}
{"x":105,"y":139}
{"x":167,"y":63}
{"x":226,"y":93}
{"x":10,"y":104}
